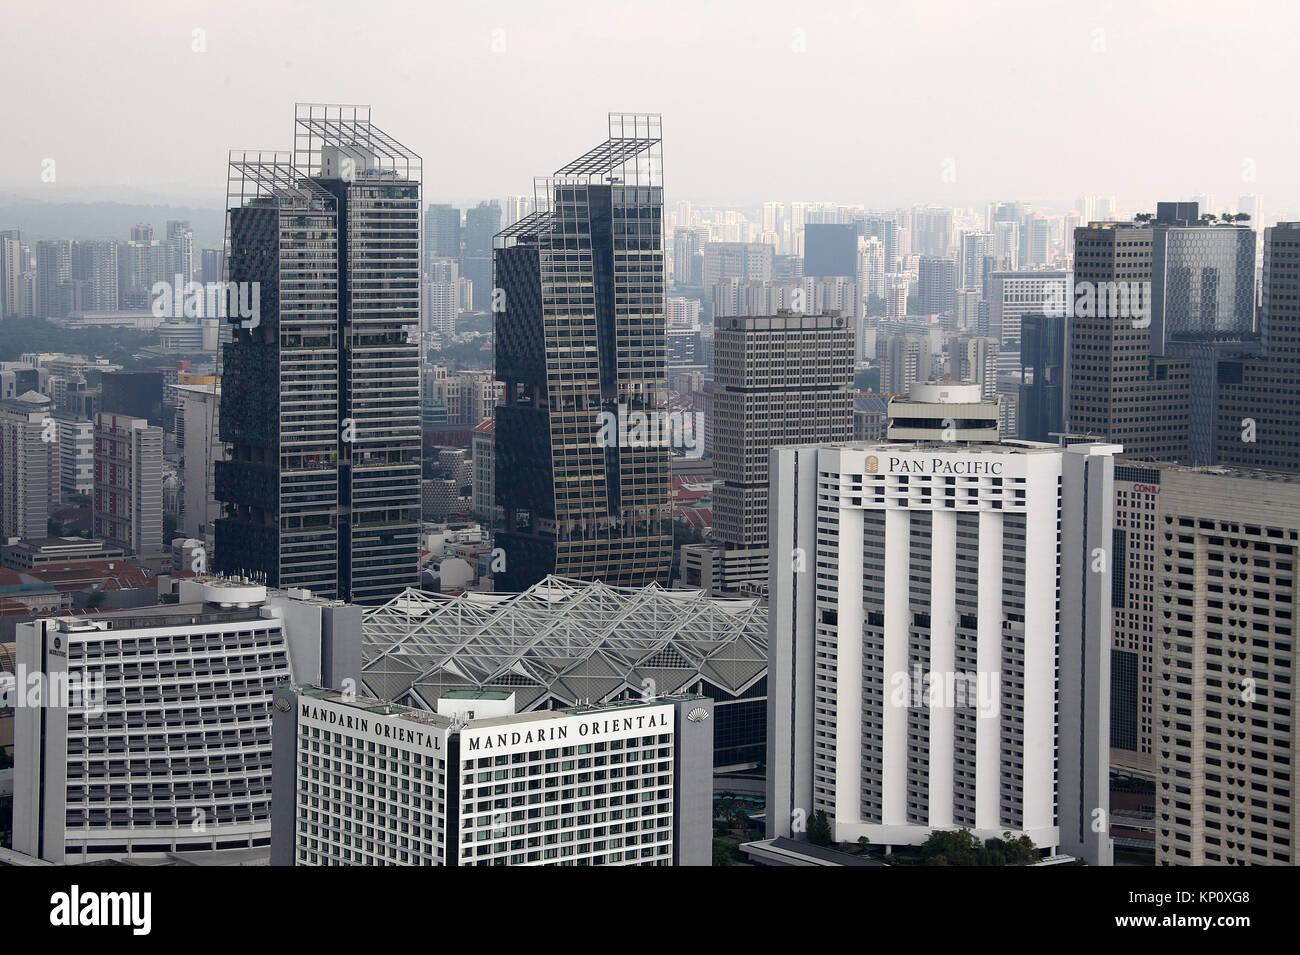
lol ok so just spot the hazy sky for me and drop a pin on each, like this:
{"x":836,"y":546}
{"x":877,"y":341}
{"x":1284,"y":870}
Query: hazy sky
{"x":1142,"y":99}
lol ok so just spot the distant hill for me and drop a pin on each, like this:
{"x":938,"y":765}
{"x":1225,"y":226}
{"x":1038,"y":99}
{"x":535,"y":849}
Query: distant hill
{"x":105,"y":220}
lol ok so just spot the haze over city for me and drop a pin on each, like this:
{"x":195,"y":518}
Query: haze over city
{"x":875,"y":103}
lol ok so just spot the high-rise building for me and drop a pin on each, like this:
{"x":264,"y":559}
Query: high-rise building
{"x":200,"y":410}
{"x":746,"y":261}
{"x":442,"y":232}
{"x":53,"y":268}
{"x":644,"y":793}
{"x":1011,"y":295}
{"x":975,"y":248}
{"x":323,"y":492}
{"x":439,"y":306}
{"x":904,"y":359}
{"x":944,"y":657}
{"x":1202,"y":278}
{"x":96,"y":264}
{"x":830,"y":250}
{"x":136,"y":394}
{"x":481,"y":224}
{"x":12,"y":267}
{"x":781,"y":380}
{"x":212,"y":266}
{"x":128,"y":505}
{"x":1225,"y":667}
{"x":181,"y":236}
{"x":936,"y":285}
{"x":76,"y":471}
{"x":581,"y":344}
{"x":1133,"y":599}
{"x":932,"y":231}
{"x":1040,"y":411}
{"x":1117,"y":390}
{"x":164,"y":743}
{"x":1259,"y":416}
{"x":28,"y":465}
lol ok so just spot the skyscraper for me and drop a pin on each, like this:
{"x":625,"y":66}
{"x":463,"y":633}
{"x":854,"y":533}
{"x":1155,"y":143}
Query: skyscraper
{"x":782,"y":379}
{"x":320,"y":394}
{"x":1225,"y":667}
{"x":581,"y":342}
{"x":1117,"y":389}
{"x":28,"y":465}
{"x":1040,"y":411}
{"x":481,"y":224}
{"x":53,"y":268}
{"x":128,"y":483}
{"x":943,"y":659}
{"x":1259,"y":415}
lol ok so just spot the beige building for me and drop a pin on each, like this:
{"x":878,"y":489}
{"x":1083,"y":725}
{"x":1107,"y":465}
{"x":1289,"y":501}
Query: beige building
{"x":1226,"y":744}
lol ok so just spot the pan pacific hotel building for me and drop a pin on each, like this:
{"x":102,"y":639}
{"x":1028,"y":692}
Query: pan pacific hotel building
{"x":361,"y":782}
{"x":939,"y":647}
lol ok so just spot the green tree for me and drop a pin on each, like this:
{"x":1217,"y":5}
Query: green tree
{"x":819,"y":829}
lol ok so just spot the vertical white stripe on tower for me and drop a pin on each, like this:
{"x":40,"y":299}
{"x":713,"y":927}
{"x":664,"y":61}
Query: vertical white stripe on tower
{"x":988,"y":660}
{"x":943,"y":652}
{"x":898,"y":618}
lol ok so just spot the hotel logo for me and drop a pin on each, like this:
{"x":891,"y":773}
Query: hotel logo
{"x":873,"y":464}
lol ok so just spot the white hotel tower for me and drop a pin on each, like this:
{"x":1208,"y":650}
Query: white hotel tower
{"x":940,"y":642}
{"x":167,"y":750}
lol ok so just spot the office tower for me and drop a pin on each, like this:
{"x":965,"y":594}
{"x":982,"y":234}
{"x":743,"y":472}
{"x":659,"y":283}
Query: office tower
{"x":936,"y":285}
{"x":1012,"y":295}
{"x":483,"y":458}
{"x":212,"y":266}
{"x":481,"y":224}
{"x":871,"y":268}
{"x":886,"y":231}
{"x":442,"y":231}
{"x":1006,"y":243}
{"x":53,"y":268}
{"x":1133,"y":597}
{"x":1202,"y":278}
{"x":1038,"y":244}
{"x":1258,"y":418}
{"x":200,"y":411}
{"x":167,"y":748}
{"x":1225,"y":670}
{"x":128,"y":505}
{"x":932,"y":232}
{"x":975,"y":359}
{"x":136,"y":394}
{"x":324,"y":492}
{"x":688,"y":256}
{"x":1117,"y":389}
{"x":944,"y":656}
{"x":747,"y":261}
{"x":975,"y":248}
{"x":28,"y":465}
{"x":11,"y":270}
{"x":76,"y":456}
{"x":904,"y":359}
{"x":1040,"y":410}
{"x":896,"y":296}
{"x":181,"y":237}
{"x":96,"y":264}
{"x":581,"y":343}
{"x":870,"y":418}
{"x":649,"y":764}
{"x":940,"y":411}
{"x":438,"y":306}
{"x":141,"y":263}
{"x":830,"y":250}
{"x":683,"y":313}
{"x":782,"y":379}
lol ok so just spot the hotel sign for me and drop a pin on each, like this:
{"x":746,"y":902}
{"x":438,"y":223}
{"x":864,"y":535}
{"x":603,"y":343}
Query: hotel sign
{"x":544,"y":732}
{"x":377,"y":727}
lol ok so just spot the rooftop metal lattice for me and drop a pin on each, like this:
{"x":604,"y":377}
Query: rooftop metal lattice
{"x":319,"y":124}
{"x":563,"y":642}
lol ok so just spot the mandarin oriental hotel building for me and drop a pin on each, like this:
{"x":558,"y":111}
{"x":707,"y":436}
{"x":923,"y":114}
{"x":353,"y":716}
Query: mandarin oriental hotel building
{"x":361,"y":782}
{"x":939,"y":646}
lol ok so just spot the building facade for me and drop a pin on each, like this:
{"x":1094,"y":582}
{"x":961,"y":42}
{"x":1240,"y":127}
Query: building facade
{"x":580,"y":344}
{"x":477,"y":784}
{"x":940,"y":650}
